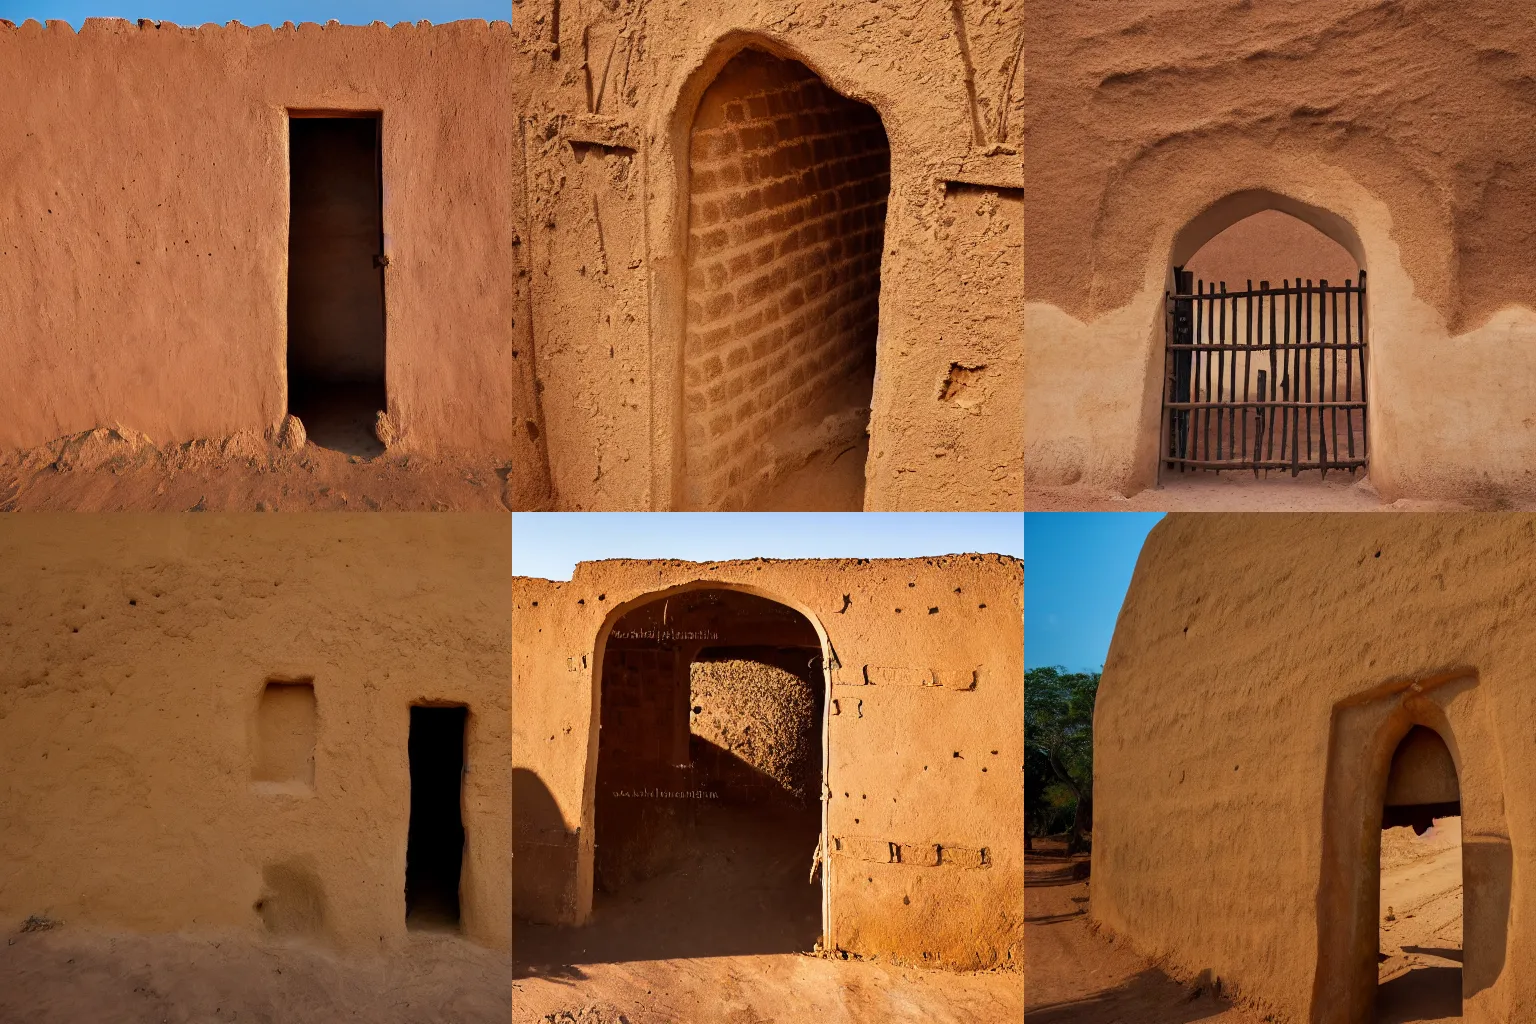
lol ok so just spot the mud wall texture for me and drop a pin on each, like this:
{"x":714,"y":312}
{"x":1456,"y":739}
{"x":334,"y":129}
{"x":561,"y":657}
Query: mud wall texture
{"x":607,"y":129}
{"x":204,"y":718}
{"x":143,"y":275}
{"x":786,"y":219}
{"x":1237,"y":823}
{"x":762,"y":716}
{"x":923,"y":735}
{"x":1151,"y":128}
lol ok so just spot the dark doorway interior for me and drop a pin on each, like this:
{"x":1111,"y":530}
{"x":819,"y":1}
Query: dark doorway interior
{"x":435,"y":848}
{"x":336,"y":281}
{"x":1419,"y":973}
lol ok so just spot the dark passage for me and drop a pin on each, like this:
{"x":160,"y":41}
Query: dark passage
{"x":435,"y":849}
{"x":707,"y":811}
{"x":335,"y":281}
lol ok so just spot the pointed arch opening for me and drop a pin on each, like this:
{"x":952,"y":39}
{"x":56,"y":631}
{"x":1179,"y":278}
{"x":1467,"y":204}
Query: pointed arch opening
{"x":1266,"y":365}
{"x":1420,"y":884}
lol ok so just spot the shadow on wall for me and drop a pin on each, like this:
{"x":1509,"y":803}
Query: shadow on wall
{"x":543,"y":852}
{"x":737,"y":881}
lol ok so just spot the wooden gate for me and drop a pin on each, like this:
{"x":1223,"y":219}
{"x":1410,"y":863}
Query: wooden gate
{"x":1266,"y":378}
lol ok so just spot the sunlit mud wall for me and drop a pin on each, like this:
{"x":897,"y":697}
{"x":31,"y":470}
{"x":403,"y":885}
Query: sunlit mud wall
{"x":204,"y":719}
{"x":1263,"y":672}
{"x":143,"y":272}
{"x":607,"y":130}
{"x":1151,"y":130}
{"x":923,"y":727}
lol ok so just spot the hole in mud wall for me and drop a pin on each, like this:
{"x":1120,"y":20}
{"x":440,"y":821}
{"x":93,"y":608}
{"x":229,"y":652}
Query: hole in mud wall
{"x":285,"y":734}
{"x":788,"y":185}
{"x":1420,"y":958}
{"x":434,"y":855}
{"x":336,"y":281}
{"x":708,"y":810}
{"x":292,"y":902}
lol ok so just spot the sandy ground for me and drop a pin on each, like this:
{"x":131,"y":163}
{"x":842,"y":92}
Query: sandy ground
{"x":1420,"y":973}
{"x":727,"y":937}
{"x":832,"y":481}
{"x":1074,"y":976}
{"x":104,"y":471}
{"x":68,"y":975}
{"x":1237,"y":492}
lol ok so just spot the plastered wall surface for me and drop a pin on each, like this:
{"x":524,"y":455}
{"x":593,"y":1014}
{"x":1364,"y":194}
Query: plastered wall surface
{"x":1142,"y":120}
{"x":1263,"y":672}
{"x":143,"y":271}
{"x":919,"y":701}
{"x":149,"y":786}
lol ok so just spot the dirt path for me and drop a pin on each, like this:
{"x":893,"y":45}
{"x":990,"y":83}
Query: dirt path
{"x":70,"y":975}
{"x":1072,"y":976}
{"x":725,"y":937}
{"x":779,"y":988}
{"x":1420,"y":971}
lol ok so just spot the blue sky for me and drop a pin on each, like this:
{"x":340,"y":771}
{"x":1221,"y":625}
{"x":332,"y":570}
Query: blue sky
{"x":1077,"y":568}
{"x":257,"y":12}
{"x":549,"y":544}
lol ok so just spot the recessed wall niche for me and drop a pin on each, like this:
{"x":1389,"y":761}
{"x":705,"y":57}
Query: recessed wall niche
{"x":285,"y":735}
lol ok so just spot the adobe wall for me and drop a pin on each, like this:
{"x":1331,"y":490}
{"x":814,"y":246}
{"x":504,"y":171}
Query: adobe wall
{"x":145,"y":784}
{"x":606,"y":132}
{"x":1142,"y":119}
{"x":1263,"y":671}
{"x":144,"y":268}
{"x":923,"y":733}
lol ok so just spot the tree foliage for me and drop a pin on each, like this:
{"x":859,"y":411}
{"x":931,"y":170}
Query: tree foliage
{"x":1058,"y":740}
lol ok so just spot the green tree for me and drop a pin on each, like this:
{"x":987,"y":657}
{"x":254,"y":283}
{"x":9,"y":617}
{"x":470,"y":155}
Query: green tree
{"x":1058,"y":731}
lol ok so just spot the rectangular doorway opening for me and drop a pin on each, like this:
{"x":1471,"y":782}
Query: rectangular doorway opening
{"x":434,"y":854}
{"x":336,"y":280}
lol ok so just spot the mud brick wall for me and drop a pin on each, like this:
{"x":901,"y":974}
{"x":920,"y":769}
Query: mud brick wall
{"x":641,"y":712}
{"x":786,"y":228}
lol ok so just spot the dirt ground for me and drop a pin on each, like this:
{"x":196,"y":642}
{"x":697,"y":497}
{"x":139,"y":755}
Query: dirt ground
{"x":1420,"y":972}
{"x":108,"y":471}
{"x":67,"y":975}
{"x":1074,"y":976}
{"x":1239,"y":492}
{"x":727,"y":937}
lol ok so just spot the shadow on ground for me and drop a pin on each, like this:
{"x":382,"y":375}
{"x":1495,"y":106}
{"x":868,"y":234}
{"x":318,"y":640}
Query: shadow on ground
{"x":1150,"y":997}
{"x":1422,"y":994}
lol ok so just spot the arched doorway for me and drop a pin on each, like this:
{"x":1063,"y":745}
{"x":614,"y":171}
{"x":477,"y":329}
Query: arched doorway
{"x":707,"y":806}
{"x":787,"y":190}
{"x":1266,"y":356}
{"x":1420,"y":881}
{"x":1403,"y":756}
